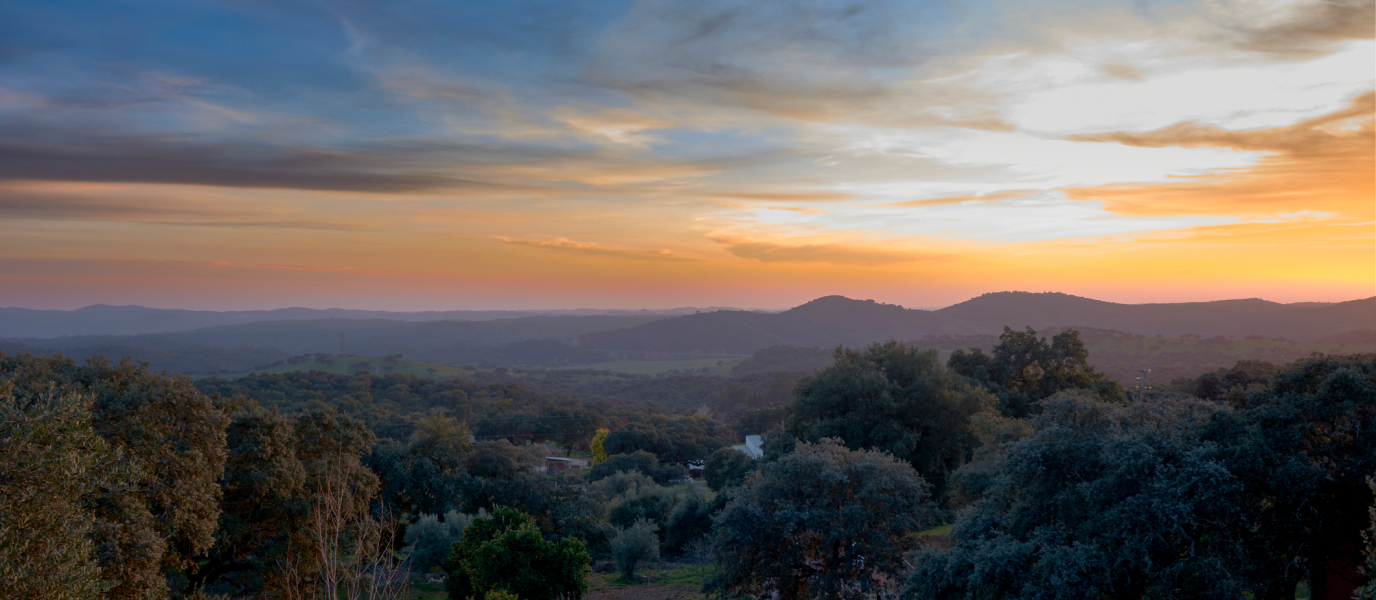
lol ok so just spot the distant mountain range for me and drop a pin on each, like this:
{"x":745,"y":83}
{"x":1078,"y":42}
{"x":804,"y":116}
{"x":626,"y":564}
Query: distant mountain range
{"x":836,"y":320}
{"x":103,"y":319}
{"x":569,"y":339}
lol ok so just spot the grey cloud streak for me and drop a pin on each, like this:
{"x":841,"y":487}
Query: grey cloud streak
{"x":148,"y":159}
{"x":59,"y":207}
{"x":798,"y":59}
{"x":1310,"y":31}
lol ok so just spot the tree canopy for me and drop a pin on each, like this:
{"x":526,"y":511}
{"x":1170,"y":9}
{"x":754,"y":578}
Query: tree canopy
{"x":504,"y":552}
{"x":821,"y":522}
{"x":1024,"y":369}
{"x":894,"y":398}
{"x":1101,"y":501}
{"x":169,"y":435}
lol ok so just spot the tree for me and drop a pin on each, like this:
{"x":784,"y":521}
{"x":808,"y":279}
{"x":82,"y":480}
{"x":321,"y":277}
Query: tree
{"x":727,"y":467}
{"x":671,"y":438}
{"x":691,"y":521}
{"x":171,"y":436}
{"x":632,"y":497}
{"x":893,"y":398}
{"x":821,"y":522}
{"x":441,"y":439}
{"x":505,"y":552}
{"x":499,"y":459}
{"x":352,"y":550}
{"x":51,"y":465}
{"x":640,"y":461}
{"x":1024,"y":369}
{"x":1368,"y":591}
{"x":430,"y":538}
{"x":1100,"y":501}
{"x":264,"y":502}
{"x":1304,"y":446}
{"x":599,"y":454}
{"x":634,"y":545}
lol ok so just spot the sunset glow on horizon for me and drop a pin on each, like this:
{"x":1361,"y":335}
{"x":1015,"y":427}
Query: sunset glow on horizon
{"x":429,"y":155}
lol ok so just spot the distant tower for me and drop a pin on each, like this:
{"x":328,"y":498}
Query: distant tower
{"x":1142,"y":386}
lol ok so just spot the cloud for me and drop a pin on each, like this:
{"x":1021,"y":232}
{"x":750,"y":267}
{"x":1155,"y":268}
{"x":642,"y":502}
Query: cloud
{"x":617,"y":125}
{"x":784,"y":196}
{"x":42,"y":202}
{"x":590,"y":249}
{"x":165,"y":159}
{"x":1318,"y":135}
{"x":808,"y":60}
{"x":985,"y":197}
{"x":1326,"y":163}
{"x":771,"y":252}
{"x":1299,"y":28}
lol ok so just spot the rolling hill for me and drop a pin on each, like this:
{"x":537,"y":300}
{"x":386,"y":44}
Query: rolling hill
{"x":1305,"y":321}
{"x":103,"y":319}
{"x":567,"y":340}
{"x":835,"y":320}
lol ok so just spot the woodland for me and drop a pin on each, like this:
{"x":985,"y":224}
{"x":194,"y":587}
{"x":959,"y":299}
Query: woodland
{"x":888,"y":470}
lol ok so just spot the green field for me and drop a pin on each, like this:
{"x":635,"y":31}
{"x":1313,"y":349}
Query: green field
{"x":347,"y":364}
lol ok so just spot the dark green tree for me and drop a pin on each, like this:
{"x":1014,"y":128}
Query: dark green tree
{"x":429,"y":538}
{"x":639,"y":461}
{"x":821,"y":522}
{"x":632,"y":496}
{"x":505,"y":552}
{"x":168,"y":433}
{"x":265,"y":501}
{"x":1304,"y":446}
{"x":634,"y":545}
{"x":727,"y":467}
{"x":1368,"y":591}
{"x":52,"y":464}
{"x":1025,"y":369}
{"x":691,"y":521}
{"x":893,"y":398}
{"x":1101,"y":501}
{"x":271,"y":484}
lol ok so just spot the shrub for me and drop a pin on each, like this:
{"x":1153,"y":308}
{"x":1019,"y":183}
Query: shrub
{"x":430,"y":538}
{"x":634,"y":545}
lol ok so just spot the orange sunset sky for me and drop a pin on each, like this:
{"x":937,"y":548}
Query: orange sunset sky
{"x":437,"y":155}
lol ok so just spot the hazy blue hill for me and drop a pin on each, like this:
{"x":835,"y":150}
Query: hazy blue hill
{"x":826,"y":323}
{"x":862,"y":321}
{"x":369,"y":337}
{"x":104,"y":319}
{"x":1304,"y":321}
{"x":731,"y":332}
{"x":823,"y":323}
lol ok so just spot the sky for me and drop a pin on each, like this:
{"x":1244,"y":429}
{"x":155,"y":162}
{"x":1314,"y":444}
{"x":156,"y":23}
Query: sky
{"x":434,"y":154}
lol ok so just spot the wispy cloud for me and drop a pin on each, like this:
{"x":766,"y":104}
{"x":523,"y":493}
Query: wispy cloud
{"x":834,"y":254}
{"x":1327,"y":163}
{"x":591,"y":249}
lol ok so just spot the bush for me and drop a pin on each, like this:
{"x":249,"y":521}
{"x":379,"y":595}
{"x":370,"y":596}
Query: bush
{"x":430,"y":538}
{"x":634,"y":497}
{"x":638,"y":461}
{"x":634,"y":545}
{"x":727,"y":468}
{"x":691,"y":521}
{"x":820,"y":522}
{"x":505,"y":552}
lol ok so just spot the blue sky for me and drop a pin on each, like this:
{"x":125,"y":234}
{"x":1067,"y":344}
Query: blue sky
{"x":554,"y":154}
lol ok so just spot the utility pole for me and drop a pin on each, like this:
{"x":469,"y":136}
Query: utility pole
{"x":1142,"y":386}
